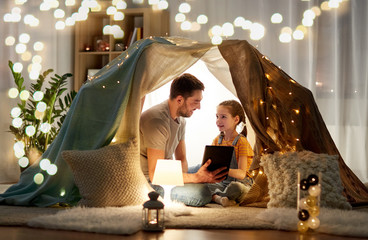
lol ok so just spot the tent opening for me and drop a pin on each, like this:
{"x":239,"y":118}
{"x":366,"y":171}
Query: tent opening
{"x":201,"y":127}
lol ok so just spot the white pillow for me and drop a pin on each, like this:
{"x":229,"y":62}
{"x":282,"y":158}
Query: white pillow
{"x":281,"y":170}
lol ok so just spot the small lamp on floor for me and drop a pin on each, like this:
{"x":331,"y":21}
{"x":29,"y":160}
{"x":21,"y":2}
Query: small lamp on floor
{"x":168,"y":174}
{"x":153,"y":214}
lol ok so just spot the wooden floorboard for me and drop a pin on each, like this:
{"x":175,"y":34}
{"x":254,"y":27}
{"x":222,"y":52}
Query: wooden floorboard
{"x":26,"y":233}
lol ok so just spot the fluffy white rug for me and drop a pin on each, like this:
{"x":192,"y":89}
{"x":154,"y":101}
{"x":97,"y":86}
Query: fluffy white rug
{"x":332,"y":221}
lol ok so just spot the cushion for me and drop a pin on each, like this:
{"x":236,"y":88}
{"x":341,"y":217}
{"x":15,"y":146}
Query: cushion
{"x":281,"y":170}
{"x":109,"y":176}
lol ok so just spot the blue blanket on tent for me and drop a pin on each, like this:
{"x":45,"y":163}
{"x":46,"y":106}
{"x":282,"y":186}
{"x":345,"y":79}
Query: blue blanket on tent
{"x":91,"y":123}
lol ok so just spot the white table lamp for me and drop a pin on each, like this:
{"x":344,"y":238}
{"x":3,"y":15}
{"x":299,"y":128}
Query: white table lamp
{"x":168,"y":173}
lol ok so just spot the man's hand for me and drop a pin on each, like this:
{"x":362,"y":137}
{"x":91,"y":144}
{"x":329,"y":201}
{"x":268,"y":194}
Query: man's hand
{"x":205,"y":176}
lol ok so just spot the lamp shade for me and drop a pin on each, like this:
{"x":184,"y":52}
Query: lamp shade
{"x":168,"y":172}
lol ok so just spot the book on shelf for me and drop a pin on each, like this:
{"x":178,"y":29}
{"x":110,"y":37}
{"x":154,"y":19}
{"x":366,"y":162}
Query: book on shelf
{"x":135,"y":35}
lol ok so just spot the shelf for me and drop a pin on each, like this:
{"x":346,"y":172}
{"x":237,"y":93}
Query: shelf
{"x":89,"y":32}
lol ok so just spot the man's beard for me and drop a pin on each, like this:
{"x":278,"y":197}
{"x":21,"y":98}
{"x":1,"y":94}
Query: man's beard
{"x":183,"y":111}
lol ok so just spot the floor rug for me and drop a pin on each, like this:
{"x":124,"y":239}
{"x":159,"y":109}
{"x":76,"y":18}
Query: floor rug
{"x":127,"y":220}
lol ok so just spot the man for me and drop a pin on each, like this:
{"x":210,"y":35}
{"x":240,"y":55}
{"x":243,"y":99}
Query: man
{"x":162,"y":134}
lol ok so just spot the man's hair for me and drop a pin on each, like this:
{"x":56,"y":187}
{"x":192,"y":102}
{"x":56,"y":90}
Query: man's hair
{"x":184,"y":85}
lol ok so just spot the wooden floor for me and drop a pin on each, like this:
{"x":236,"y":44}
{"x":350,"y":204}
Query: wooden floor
{"x":25,"y":233}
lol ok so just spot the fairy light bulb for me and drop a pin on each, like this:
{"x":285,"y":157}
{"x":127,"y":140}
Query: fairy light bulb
{"x":216,"y":40}
{"x":180,"y":17}
{"x":302,"y":226}
{"x":202,"y":19}
{"x":23,"y":162}
{"x":45,"y":127}
{"x":9,"y":41}
{"x":44,"y":164}
{"x":24,"y":38}
{"x":38,"y":178}
{"x":52,"y":169}
{"x":184,"y":8}
{"x":17,"y":67}
{"x":41,"y":106}
{"x":30,"y":130}
{"x":239,"y":21}
{"x":20,"y":48}
{"x":314,"y":191}
{"x":313,"y":222}
{"x":314,"y":211}
{"x":59,"y":13}
{"x":276,"y":18}
{"x":38,"y":96}
{"x":38,"y":46}
{"x":24,"y":95}
{"x":17,"y":122}
{"x":60,"y":25}
{"x":163,"y":4}
{"x":15,"y":112}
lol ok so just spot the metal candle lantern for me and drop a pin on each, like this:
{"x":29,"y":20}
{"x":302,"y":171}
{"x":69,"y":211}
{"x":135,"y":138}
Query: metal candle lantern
{"x":153,"y":214}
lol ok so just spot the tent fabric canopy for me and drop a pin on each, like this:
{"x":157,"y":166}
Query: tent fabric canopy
{"x":109,"y":106}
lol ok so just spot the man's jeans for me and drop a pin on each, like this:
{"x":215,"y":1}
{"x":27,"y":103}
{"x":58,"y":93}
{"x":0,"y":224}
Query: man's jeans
{"x":191,"y":194}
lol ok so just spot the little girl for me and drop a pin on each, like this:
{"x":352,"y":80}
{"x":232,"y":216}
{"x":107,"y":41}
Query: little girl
{"x":229,"y":115}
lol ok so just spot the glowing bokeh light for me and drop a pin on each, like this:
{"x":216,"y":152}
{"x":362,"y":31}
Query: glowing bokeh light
{"x":285,"y":37}
{"x":276,"y":18}
{"x":239,"y":21}
{"x":180,"y":17}
{"x":13,"y":92}
{"x":9,"y":41}
{"x":186,"y":25}
{"x":26,"y":56}
{"x":38,"y":96}
{"x":23,"y":162}
{"x":111,"y":10}
{"x":202,"y":19}
{"x":17,"y":67}
{"x":24,"y":95}
{"x":44,"y":164}
{"x":52,"y":169}
{"x":298,"y":35}
{"x":162,"y":4}
{"x":119,"y":16}
{"x":24,"y":38}
{"x":38,"y":178}
{"x":216,"y":40}
{"x":228,"y":29}
{"x":41,"y":106}
{"x":60,"y":25}
{"x":121,"y":5}
{"x":184,"y":7}
{"x":45,"y":127}
{"x":38,"y":46}
{"x":20,"y":48}
{"x":257,"y":31}
{"x":30,"y":130}
{"x":15,"y":112}
{"x":59,"y":13}
{"x":17,"y":122}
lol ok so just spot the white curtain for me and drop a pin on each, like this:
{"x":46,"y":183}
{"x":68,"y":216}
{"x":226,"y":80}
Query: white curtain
{"x":331,"y":61}
{"x":57,"y":54}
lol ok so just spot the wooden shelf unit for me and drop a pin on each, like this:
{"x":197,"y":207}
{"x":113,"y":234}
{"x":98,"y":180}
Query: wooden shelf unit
{"x":154,"y":23}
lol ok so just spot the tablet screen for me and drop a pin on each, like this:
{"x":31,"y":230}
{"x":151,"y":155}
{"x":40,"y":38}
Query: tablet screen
{"x":220,"y":155}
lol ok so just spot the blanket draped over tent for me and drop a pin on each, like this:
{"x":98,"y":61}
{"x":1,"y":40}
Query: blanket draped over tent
{"x":282,"y":113}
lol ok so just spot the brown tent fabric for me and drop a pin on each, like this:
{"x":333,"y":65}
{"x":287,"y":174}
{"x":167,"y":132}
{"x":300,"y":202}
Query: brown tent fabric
{"x":283,"y":114}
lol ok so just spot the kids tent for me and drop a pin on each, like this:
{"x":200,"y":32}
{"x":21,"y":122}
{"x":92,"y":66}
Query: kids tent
{"x":109,"y":106}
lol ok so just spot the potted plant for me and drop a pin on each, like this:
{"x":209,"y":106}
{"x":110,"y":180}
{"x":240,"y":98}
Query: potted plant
{"x":37,"y":118}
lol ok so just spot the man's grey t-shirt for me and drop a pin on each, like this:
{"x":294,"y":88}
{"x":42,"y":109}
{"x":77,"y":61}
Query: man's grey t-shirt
{"x":159,"y":131}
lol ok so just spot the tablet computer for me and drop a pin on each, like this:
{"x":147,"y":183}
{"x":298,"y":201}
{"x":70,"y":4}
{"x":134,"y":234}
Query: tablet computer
{"x":220,"y":156}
